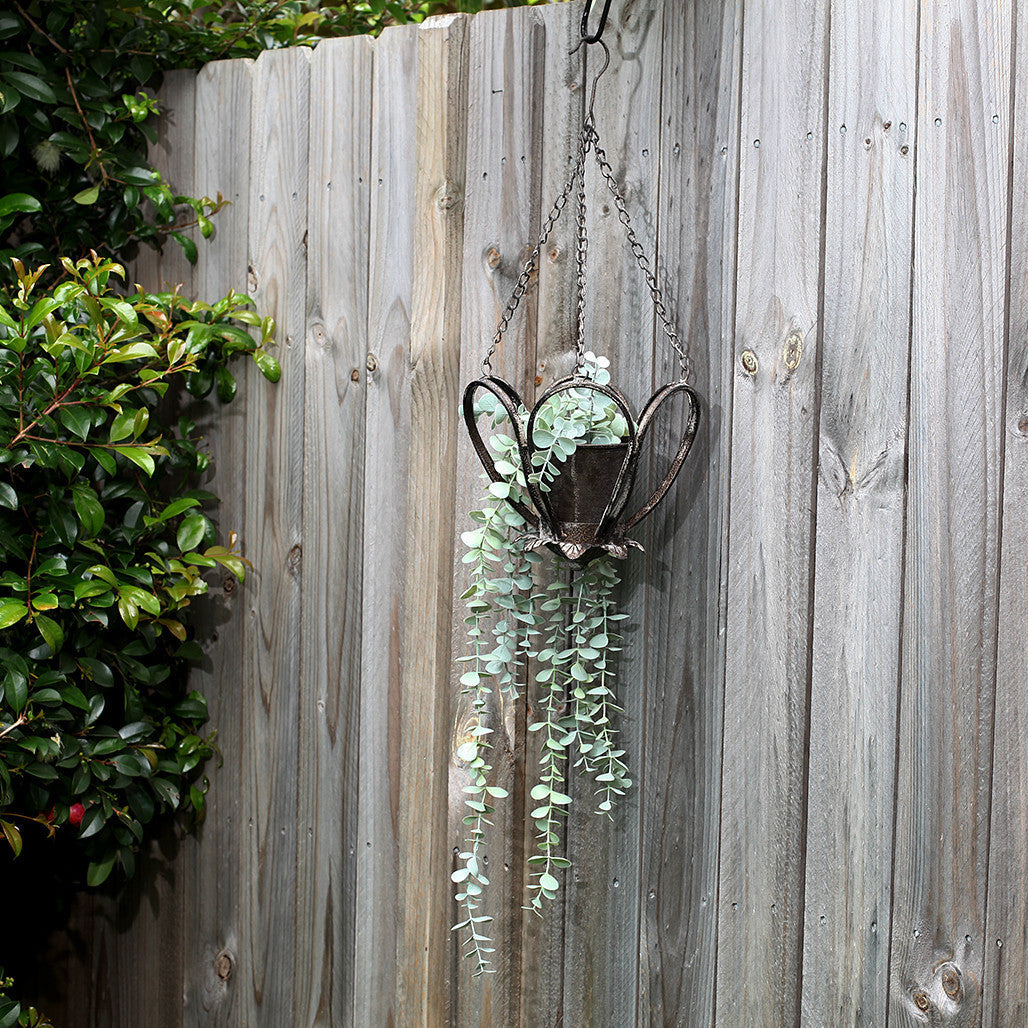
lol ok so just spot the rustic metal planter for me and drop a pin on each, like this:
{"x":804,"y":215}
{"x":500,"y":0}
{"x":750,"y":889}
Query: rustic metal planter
{"x":583,"y":512}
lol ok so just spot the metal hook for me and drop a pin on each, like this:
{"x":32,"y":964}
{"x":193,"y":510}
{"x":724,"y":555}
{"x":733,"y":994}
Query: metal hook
{"x":597,"y":76}
{"x":595,"y":36}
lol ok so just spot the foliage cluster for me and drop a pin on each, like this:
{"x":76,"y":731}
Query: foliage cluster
{"x":104,"y":541}
{"x":566,"y":627}
{"x":13,"y":1013}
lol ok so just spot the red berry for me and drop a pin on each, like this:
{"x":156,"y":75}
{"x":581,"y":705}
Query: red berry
{"x":75,"y":813}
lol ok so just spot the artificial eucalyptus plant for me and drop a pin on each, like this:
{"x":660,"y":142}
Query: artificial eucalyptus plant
{"x":563,"y":625}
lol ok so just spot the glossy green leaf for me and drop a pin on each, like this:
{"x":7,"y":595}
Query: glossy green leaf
{"x":89,"y":510}
{"x":11,"y":612}
{"x":51,"y":632}
{"x":32,"y":86}
{"x":87,"y":196}
{"x":191,"y":532}
{"x":22,"y":203}
{"x":13,"y":836}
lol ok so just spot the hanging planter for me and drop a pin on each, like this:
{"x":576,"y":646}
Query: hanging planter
{"x":559,"y":479}
{"x":583,"y":512}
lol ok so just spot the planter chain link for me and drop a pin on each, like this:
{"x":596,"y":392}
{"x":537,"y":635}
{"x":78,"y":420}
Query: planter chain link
{"x":589,"y":140}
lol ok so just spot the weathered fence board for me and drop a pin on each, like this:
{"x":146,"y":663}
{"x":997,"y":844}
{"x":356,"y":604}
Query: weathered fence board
{"x":860,"y":509}
{"x":602,"y":919}
{"x":828,"y":822}
{"x":272,"y":538}
{"x":212,"y":939}
{"x":1005,"y":945}
{"x":682,"y":785}
{"x":333,"y":526}
{"x":774,"y":410}
{"x":386,"y":449}
{"x":424,"y":970}
{"x":550,"y":312}
{"x":502,"y":198}
{"x":948,"y":669}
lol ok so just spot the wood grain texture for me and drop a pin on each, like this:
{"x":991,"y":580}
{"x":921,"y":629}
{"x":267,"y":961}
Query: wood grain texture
{"x":424,"y":964}
{"x":503,"y":198}
{"x":682,"y":777}
{"x":211,"y":942}
{"x":953,"y":515}
{"x":603,"y":904}
{"x":860,"y":514}
{"x":773,"y":418}
{"x":1005,"y":951}
{"x":272,"y":536}
{"x":386,"y":452}
{"x":554,"y":298}
{"x":333,"y":528}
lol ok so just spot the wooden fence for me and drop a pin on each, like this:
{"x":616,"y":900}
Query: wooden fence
{"x":826,"y":681}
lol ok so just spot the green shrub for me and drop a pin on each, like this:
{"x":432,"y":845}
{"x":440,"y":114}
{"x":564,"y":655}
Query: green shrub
{"x":104,"y":541}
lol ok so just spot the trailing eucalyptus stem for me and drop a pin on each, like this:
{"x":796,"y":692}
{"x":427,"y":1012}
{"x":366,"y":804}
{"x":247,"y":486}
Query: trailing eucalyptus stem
{"x":566,"y":625}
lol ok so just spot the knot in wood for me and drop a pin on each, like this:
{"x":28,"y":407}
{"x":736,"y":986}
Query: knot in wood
{"x":951,"y":983}
{"x":223,"y":965}
{"x":921,"y":1001}
{"x":294,"y":558}
{"x":793,"y":350}
{"x":1022,"y":424}
{"x":749,"y":362}
{"x":447,"y":197}
{"x":371,"y":363}
{"x":229,"y":584}
{"x":355,"y":375}
{"x":492,"y":258}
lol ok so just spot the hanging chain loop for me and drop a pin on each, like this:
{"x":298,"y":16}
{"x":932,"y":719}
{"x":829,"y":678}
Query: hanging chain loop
{"x":641,"y":259}
{"x":589,"y":140}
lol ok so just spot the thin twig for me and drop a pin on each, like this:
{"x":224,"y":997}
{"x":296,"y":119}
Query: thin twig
{"x":89,"y":131}
{"x":17,"y":724}
{"x":46,"y":35}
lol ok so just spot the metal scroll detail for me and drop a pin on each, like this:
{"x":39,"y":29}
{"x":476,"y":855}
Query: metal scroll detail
{"x":583,"y":511}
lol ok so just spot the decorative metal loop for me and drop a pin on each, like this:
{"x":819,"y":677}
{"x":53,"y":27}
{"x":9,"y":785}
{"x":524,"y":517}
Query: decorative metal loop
{"x":651,"y":408}
{"x":511,"y":403}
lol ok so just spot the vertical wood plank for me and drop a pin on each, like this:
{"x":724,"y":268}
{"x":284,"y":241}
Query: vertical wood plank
{"x":172,"y":156}
{"x":423,"y":964}
{"x":953,"y":513}
{"x":773,"y":416}
{"x":682,"y":775}
{"x":501,"y":224}
{"x":601,"y":965}
{"x":272,"y":536}
{"x":212,"y":932}
{"x":333,"y":527}
{"x":386,"y":453}
{"x":1006,"y":935}
{"x":860,"y":512}
{"x":554,"y":297}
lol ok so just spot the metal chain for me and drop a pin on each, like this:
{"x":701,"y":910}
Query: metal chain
{"x":640,"y":256}
{"x":582,"y":250}
{"x":589,"y":140}
{"x":521,"y":286}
